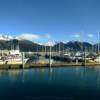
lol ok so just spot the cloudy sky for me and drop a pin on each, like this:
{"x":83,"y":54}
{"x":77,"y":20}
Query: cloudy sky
{"x":43,"y":20}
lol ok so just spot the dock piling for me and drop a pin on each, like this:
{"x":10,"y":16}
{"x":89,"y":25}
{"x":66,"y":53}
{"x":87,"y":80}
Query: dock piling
{"x":23,"y":60}
{"x":50,"y":58}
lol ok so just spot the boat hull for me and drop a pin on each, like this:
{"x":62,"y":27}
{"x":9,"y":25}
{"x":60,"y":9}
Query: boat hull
{"x":15,"y":61}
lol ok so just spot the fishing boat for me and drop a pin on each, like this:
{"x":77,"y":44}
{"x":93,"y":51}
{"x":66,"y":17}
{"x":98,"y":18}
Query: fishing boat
{"x":14,"y":57}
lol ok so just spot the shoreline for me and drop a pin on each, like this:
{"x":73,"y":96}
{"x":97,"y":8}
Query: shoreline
{"x":29,"y":66}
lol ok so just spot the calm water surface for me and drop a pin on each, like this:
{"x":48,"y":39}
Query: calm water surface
{"x":67,"y":83}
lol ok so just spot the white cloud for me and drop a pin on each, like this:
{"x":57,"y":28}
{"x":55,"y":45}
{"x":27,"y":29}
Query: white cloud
{"x":29,"y":36}
{"x":10,"y":37}
{"x":48,"y":36}
{"x":90,"y":35}
{"x":76,"y":35}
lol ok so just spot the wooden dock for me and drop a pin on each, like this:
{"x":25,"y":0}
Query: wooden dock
{"x":28,"y":66}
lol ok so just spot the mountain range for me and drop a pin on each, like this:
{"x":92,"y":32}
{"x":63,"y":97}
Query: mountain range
{"x":26,"y":46}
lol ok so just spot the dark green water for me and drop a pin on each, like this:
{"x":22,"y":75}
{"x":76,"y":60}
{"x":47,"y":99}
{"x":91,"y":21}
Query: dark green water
{"x":67,"y":83}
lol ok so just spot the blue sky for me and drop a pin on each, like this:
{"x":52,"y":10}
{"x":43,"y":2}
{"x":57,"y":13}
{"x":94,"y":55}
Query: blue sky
{"x":43,"y":20}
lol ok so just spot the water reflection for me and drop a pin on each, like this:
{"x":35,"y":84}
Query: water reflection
{"x":66,"y":81}
{"x":80,"y":74}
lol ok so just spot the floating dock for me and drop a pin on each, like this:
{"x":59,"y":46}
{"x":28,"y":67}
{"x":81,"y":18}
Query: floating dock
{"x":28,"y":66}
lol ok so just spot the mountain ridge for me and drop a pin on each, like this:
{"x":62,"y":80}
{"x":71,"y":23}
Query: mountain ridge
{"x":27,"y":45}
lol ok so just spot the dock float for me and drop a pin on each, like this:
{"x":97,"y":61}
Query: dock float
{"x":27,"y":66}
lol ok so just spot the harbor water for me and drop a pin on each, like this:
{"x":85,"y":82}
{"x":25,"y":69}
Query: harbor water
{"x":63,"y":83}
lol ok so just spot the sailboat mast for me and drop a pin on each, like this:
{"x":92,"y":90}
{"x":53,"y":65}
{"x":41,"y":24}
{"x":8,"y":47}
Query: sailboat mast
{"x":11,"y":44}
{"x":18,"y":44}
{"x":98,"y":42}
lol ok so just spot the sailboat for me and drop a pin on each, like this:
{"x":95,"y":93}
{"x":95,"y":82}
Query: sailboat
{"x":97,"y":59}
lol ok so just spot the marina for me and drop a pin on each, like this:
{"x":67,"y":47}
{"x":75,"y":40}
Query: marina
{"x":49,"y":56}
{"x":49,"y":49}
{"x":15,"y":59}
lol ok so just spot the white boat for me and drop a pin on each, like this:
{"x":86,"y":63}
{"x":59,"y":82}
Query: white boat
{"x":97,"y":59}
{"x":14,"y":57}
